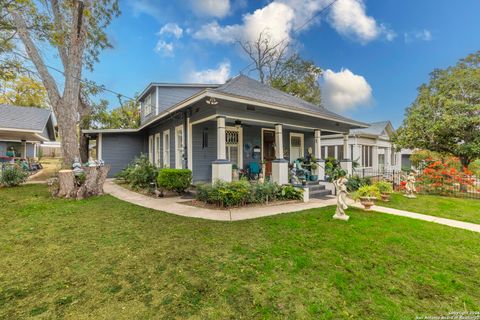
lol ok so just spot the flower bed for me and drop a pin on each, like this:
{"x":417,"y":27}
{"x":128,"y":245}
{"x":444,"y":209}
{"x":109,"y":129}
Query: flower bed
{"x":241,"y":193}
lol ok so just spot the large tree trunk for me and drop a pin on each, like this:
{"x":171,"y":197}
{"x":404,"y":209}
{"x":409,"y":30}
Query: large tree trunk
{"x":69,"y":186}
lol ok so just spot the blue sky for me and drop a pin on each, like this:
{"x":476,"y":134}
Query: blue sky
{"x":374,"y":53}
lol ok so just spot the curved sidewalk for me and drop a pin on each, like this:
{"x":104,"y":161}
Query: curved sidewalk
{"x":174,"y":205}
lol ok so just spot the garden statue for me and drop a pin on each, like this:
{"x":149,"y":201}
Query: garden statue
{"x":293,"y":177}
{"x":91,"y":162}
{"x":261,"y":179}
{"x":77,"y":167}
{"x":410,"y":186}
{"x":341,"y":187}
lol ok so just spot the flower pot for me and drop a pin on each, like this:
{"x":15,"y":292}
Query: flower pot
{"x":235,"y":175}
{"x":313,"y":178}
{"x":367,"y":202}
{"x":385,"y":197}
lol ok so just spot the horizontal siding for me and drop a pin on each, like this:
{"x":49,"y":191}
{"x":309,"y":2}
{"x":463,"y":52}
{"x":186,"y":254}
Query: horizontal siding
{"x":118,"y":150}
{"x":203,"y":157}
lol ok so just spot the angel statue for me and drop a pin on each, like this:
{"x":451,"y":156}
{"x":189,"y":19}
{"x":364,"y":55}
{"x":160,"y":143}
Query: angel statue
{"x":410,"y":186}
{"x":341,"y":186}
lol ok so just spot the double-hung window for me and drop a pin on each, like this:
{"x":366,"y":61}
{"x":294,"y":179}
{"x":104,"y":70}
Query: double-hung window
{"x":166,"y":149}
{"x":179,"y":147}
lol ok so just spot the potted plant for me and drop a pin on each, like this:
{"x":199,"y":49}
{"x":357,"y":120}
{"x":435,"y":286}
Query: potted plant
{"x":385,"y":188}
{"x":367,"y":195}
{"x":314,"y":167}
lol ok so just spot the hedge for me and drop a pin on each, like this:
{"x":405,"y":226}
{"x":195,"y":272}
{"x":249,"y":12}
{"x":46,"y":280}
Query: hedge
{"x":177,"y":180}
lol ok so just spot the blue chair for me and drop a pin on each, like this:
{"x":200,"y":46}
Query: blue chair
{"x":253,"y":170}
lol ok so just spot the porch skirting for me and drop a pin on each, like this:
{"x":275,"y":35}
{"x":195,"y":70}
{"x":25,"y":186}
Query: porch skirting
{"x":221,"y":170}
{"x":280,"y":171}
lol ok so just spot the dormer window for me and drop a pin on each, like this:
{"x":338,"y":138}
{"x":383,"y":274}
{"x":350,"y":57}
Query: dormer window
{"x":147,"y":105}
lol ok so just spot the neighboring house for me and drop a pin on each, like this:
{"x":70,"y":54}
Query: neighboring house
{"x":370,"y":147}
{"x":24,"y":129}
{"x":208,"y":128}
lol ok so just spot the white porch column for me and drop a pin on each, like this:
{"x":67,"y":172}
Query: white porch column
{"x":320,"y":172}
{"x":279,"y":165}
{"x":221,"y":168}
{"x":388,"y":158}
{"x":375,"y":157}
{"x":346,"y":162}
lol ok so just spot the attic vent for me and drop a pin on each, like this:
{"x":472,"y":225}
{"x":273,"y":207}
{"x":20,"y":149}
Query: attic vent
{"x":250,"y":108}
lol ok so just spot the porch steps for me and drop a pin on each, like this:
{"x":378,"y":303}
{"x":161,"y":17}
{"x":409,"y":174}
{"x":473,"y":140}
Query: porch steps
{"x":317,"y":190}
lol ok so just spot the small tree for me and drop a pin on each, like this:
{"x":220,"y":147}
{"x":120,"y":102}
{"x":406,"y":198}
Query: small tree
{"x":23,"y":91}
{"x":283,"y":69}
{"x":445,"y":117}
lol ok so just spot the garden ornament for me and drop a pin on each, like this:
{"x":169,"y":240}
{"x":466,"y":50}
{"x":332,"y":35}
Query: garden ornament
{"x":410,"y":186}
{"x":77,"y":167}
{"x":340,"y":185}
{"x":261,"y":179}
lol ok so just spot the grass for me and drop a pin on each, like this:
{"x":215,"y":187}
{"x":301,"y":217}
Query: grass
{"x":467,"y":210}
{"x":102,"y":258}
{"x":50,"y":168}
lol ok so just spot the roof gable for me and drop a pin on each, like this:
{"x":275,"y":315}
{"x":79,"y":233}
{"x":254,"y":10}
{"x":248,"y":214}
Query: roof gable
{"x":24,"y":118}
{"x":249,"y":88}
{"x":382,"y":128}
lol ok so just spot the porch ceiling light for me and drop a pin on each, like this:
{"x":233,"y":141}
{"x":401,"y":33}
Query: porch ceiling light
{"x":211,"y":101}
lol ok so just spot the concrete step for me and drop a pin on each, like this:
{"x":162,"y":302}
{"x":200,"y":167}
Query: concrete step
{"x":316,"y":187}
{"x":320,"y":193}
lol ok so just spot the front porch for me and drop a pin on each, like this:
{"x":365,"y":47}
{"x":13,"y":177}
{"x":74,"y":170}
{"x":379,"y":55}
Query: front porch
{"x":226,"y":148}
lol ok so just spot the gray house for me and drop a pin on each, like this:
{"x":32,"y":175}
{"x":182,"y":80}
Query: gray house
{"x":208,"y":128}
{"x":23,"y":129}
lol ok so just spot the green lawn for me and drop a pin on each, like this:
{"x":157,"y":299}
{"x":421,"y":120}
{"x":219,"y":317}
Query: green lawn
{"x":102,"y":258}
{"x":446,"y":207}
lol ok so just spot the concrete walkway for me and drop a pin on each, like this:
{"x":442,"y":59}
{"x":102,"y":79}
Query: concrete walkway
{"x":174,"y":205}
{"x":447,"y":222}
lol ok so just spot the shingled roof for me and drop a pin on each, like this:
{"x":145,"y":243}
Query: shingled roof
{"x":375,"y":129}
{"x":244,"y":86}
{"x":23,"y":118}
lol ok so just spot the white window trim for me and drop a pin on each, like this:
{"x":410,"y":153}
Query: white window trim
{"x":166,"y":149}
{"x":240,"y":144}
{"x":302,"y":144}
{"x":150,"y":148}
{"x":99,"y":146}
{"x":158,"y":163}
{"x":178,"y":145}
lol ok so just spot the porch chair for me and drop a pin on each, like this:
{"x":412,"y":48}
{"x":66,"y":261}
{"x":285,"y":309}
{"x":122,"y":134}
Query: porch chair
{"x":301,"y":173}
{"x":253,"y":170}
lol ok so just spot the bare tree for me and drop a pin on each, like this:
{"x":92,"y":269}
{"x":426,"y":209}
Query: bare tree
{"x":75,"y":29}
{"x":266,"y":54}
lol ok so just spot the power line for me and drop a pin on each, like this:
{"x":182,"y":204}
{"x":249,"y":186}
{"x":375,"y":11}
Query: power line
{"x":87,"y":82}
{"x":297,"y":29}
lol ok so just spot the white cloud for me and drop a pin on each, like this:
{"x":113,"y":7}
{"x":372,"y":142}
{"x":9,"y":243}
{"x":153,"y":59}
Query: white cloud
{"x":164,"y":48}
{"x":171,"y":29}
{"x":218,"y":75}
{"x":281,"y":17}
{"x":344,"y":90}
{"x":350,"y":19}
{"x":211,"y":8}
{"x":422,"y":35}
{"x":275,"y":18}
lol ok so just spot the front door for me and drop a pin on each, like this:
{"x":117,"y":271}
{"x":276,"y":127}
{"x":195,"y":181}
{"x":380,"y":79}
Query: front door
{"x":268,"y":150}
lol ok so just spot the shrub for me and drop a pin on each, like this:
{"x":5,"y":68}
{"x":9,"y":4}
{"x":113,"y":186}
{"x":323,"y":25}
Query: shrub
{"x":288,"y":192}
{"x":264,"y":192}
{"x":12,"y":176}
{"x":177,"y":180}
{"x":139,"y":174}
{"x":333,"y":170}
{"x":356,"y":182}
{"x":384,"y":186}
{"x":237,"y":193}
{"x":367,"y":191}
